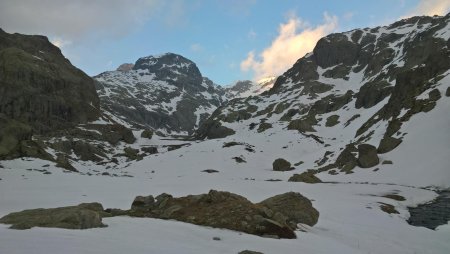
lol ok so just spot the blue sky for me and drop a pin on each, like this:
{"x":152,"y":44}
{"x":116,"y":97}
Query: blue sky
{"x":217,"y":35}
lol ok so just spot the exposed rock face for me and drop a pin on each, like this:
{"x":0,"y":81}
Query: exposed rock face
{"x":83,"y":216}
{"x":277,"y":216}
{"x":281,"y":164}
{"x":41,"y":88}
{"x":40,"y":91}
{"x":361,"y":84}
{"x":246,"y":88}
{"x":367,"y":156}
{"x":165,"y":93}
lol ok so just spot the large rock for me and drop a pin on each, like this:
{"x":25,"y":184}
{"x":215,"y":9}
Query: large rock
{"x":281,"y":164}
{"x":305,"y":177}
{"x":367,"y":156}
{"x":296,"y":208}
{"x":275,"y":217}
{"x":83,"y":216}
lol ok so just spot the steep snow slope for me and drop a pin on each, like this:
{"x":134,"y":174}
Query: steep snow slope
{"x":165,"y":93}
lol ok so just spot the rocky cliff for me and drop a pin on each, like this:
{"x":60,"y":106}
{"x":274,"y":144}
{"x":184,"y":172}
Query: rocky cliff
{"x":40,"y":91}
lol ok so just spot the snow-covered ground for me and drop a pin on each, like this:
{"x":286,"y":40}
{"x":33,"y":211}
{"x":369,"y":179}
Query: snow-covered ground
{"x":350,"y":221}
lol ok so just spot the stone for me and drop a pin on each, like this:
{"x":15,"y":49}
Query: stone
{"x":306,"y":177}
{"x":388,"y":144}
{"x":149,"y":149}
{"x":281,"y":164}
{"x":132,"y":153}
{"x":447,"y":92}
{"x":332,"y":121}
{"x":148,"y":134}
{"x":221,"y":209}
{"x":83,"y":216}
{"x":295,"y":207}
{"x":367,"y":156}
{"x":249,"y":252}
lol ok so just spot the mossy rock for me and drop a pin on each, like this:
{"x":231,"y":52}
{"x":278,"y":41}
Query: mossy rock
{"x":281,"y":164}
{"x":332,"y":121}
{"x":83,"y":216}
{"x":305,"y":177}
{"x":346,"y":161}
{"x":367,"y":156}
{"x":388,"y":144}
{"x":148,"y":134}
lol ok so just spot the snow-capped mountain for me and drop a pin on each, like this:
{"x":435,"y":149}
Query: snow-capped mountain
{"x":359,"y":127}
{"x":357,"y":90}
{"x":246,"y":88}
{"x":165,"y":93}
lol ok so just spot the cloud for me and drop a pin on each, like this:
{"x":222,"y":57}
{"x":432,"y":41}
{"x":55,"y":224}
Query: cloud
{"x":252,"y":34}
{"x":70,"y":20}
{"x":430,"y":8}
{"x":196,"y":47}
{"x":295,"y":39}
{"x":59,"y":42}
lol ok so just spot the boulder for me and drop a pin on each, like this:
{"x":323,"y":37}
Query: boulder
{"x":367,"y":156}
{"x":306,"y":177}
{"x":83,"y":216}
{"x":150,"y":149}
{"x":296,"y":208}
{"x":147,"y":134}
{"x":276,"y":217}
{"x":281,"y":164}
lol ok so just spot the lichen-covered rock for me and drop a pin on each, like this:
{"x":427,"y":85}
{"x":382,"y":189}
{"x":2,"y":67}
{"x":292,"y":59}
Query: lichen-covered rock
{"x":367,"y":156}
{"x":132,"y":153}
{"x":306,"y":177}
{"x":281,"y":164}
{"x":83,"y":216}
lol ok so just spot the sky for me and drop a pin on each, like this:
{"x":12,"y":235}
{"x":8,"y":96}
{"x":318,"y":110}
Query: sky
{"x":229,"y":40}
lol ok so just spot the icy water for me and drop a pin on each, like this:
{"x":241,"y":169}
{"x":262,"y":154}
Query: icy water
{"x":433,"y":214}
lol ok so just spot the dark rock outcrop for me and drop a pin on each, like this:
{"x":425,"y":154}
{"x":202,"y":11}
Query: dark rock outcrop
{"x":83,"y":216}
{"x":274,"y":217}
{"x":306,"y":177}
{"x":40,"y":91}
{"x":281,"y":164}
{"x":367,"y":156}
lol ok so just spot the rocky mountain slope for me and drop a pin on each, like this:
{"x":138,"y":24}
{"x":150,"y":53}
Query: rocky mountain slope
{"x":165,"y":93}
{"x":358,"y":127}
{"x":40,"y":91}
{"x":246,"y":88}
{"x":352,"y":95}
